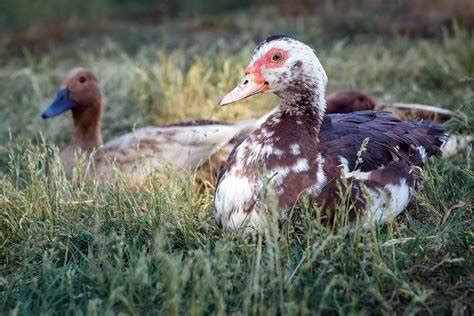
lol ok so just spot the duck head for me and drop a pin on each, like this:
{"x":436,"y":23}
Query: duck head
{"x":79,"y":92}
{"x":347,"y":101}
{"x":286,"y":67}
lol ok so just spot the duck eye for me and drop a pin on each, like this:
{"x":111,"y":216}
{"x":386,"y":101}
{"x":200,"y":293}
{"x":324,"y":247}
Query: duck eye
{"x":82,"y":79}
{"x":277,"y":57}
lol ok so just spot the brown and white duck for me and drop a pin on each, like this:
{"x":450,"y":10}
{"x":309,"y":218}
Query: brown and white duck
{"x":183,"y":145}
{"x":346,"y":101}
{"x":301,"y":152}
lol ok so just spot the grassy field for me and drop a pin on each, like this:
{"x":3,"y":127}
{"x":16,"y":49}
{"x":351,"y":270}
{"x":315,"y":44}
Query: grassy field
{"x":82,"y":248}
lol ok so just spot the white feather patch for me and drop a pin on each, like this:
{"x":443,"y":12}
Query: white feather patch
{"x":422,"y":151}
{"x":356,"y":174}
{"x":386,"y":206}
{"x":232,"y":195}
{"x":301,"y":165}
{"x":295,"y":149}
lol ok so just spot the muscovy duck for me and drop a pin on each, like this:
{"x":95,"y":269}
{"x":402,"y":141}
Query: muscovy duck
{"x":301,"y":152}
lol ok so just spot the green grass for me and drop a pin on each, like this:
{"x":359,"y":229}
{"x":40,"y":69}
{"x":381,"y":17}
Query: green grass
{"x":75,"y":247}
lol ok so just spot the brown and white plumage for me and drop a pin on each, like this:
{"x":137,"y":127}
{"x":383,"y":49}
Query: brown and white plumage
{"x":184,"y":145}
{"x":299,"y":152}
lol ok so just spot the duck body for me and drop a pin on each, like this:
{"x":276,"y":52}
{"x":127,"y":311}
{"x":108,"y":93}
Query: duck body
{"x":287,"y":154}
{"x":153,"y":149}
{"x":299,"y":152}
{"x":184,"y":146}
{"x":348,"y":101}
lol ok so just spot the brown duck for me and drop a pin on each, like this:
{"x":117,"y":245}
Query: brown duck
{"x":135,"y":155}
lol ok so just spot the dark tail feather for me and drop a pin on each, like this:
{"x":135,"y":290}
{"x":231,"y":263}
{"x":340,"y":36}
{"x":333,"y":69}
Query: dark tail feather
{"x":430,"y":137}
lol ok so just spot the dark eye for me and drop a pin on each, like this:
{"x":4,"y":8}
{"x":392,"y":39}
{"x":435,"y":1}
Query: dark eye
{"x":277,"y":57}
{"x":82,"y":79}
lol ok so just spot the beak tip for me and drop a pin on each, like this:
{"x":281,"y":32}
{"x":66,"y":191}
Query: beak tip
{"x":246,"y":88}
{"x":223,"y":101}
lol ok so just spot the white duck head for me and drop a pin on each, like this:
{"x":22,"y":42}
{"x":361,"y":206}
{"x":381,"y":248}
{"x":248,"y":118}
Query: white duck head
{"x":286,"y":67}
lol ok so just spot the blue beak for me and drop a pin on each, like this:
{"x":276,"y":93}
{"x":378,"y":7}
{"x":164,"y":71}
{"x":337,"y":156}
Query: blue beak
{"x":60,"y":104}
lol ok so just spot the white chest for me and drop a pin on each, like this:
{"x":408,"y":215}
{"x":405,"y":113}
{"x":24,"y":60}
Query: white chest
{"x":238,"y":189}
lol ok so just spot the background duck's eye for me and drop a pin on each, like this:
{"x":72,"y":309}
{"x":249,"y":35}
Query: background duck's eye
{"x":82,"y":79}
{"x":277,"y":56}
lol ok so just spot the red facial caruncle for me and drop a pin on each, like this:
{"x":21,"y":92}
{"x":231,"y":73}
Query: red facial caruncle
{"x":274,"y":58}
{"x":254,"y":82}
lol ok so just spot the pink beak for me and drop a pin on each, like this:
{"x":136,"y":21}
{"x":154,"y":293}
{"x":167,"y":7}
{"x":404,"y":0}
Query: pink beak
{"x":247,"y":87}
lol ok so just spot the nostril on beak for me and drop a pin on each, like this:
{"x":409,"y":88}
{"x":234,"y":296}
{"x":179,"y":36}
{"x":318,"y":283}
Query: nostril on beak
{"x":246,"y":81}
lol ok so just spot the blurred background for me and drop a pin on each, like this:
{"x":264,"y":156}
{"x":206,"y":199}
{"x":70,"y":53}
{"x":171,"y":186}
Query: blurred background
{"x":163,"y":61}
{"x":45,"y":26}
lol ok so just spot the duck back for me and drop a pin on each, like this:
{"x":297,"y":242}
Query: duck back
{"x":386,"y":138}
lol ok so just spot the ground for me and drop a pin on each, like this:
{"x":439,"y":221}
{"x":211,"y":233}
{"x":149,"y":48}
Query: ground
{"x":84,"y":248}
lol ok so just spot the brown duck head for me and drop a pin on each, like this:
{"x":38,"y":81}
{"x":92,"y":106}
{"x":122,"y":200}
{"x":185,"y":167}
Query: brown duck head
{"x":347,"y":101}
{"x":79,"y":92}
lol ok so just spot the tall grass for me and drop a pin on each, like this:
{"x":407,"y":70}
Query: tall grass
{"x":80,"y":247}
{"x":105,"y":249}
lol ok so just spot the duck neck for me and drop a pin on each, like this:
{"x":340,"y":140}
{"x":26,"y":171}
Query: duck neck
{"x":305,"y":101}
{"x":87,"y":127}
